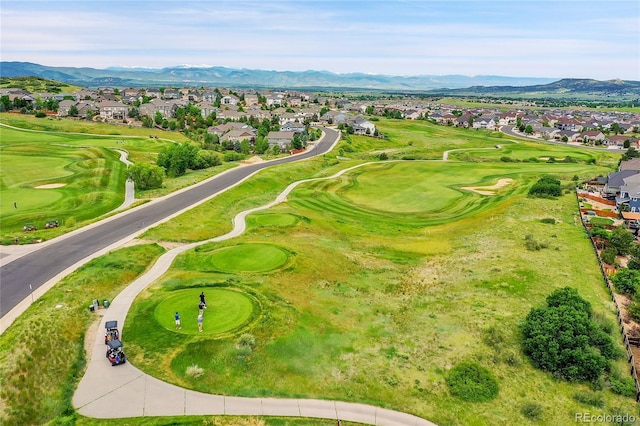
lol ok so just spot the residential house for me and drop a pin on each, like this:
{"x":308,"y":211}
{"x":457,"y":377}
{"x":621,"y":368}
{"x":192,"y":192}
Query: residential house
{"x":65,"y":106}
{"x":281,"y":139}
{"x":293,"y":126}
{"x":110,"y":110}
{"x":615,"y":181}
{"x":250,"y":99}
{"x":239,"y":135}
{"x":361,"y":126}
{"x":229,"y":100}
{"x":592,"y":136}
{"x":630,"y":193}
{"x":170,"y":94}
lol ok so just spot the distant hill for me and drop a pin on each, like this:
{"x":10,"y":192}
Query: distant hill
{"x":445,"y":85}
{"x":37,"y":85}
{"x":565,"y":88}
{"x":229,"y":77}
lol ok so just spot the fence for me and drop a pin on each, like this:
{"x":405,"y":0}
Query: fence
{"x":628,"y":341}
{"x":595,"y":198}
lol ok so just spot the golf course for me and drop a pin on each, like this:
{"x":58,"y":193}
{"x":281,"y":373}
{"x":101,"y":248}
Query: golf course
{"x":370,"y":287}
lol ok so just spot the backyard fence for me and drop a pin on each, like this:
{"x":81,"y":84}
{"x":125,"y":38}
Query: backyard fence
{"x":628,"y":340}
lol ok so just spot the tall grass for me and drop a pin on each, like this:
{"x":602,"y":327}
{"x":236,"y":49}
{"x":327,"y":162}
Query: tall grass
{"x":42,"y":354}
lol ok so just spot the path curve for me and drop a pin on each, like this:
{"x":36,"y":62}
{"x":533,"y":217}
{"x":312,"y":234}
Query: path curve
{"x":129,"y":186}
{"x":137,"y":394}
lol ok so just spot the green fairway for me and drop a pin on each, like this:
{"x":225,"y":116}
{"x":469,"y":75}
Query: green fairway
{"x":226,"y":311}
{"x":431,"y":191}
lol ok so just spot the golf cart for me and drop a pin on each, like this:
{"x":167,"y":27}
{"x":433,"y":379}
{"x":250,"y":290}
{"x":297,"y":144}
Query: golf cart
{"x":29,"y":227}
{"x":111,"y":331}
{"x":51,"y":224}
{"x":115,"y":354}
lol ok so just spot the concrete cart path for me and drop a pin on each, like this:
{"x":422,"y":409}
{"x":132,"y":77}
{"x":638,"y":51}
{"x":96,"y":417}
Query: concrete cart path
{"x":136,"y":394}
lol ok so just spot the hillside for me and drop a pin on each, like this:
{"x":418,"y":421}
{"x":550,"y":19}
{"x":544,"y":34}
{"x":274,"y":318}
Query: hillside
{"x":565,"y":88}
{"x":229,"y":77}
{"x":37,"y":84}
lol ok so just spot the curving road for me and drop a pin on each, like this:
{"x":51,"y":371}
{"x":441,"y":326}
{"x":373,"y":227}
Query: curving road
{"x":23,"y":276}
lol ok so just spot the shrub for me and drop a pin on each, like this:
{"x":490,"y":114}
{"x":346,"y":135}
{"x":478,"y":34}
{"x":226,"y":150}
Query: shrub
{"x":562,"y":339}
{"x":589,"y":398}
{"x":626,"y":281}
{"x":531,"y":411}
{"x":546,"y":186}
{"x":608,"y":255}
{"x":472,"y":382}
{"x":633,"y":309}
{"x":624,"y":386}
{"x":548,"y":220}
{"x":194,"y":371}
{"x":533,"y":245}
{"x":383,"y":156}
{"x":246,"y":341}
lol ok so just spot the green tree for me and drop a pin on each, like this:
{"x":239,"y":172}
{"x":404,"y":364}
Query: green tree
{"x":146,"y":176}
{"x":528,"y":129}
{"x":261,"y":145}
{"x":562,"y":339}
{"x":147,"y":121}
{"x":177,"y":158}
{"x":626,"y":281}
{"x":73,"y":111}
{"x":621,"y":239}
{"x":158,"y":118}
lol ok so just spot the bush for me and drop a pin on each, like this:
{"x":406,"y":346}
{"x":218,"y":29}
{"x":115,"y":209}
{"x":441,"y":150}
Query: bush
{"x":246,"y":341}
{"x":533,"y":245}
{"x":233,"y":156}
{"x":546,"y":186}
{"x":531,"y":411}
{"x":626,"y":281}
{"x":562,"y":339}
{"x":589,"y":398}
{"x":608,"y":255}
{"x":548,"y":220}
{"x":633,"y":309}
{"x":194,"y":371}
{"x":624,"y":386}
{"x":383,"y":156}
{"x":472,"y":382}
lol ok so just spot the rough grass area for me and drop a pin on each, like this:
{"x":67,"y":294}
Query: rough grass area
{"x":42,"y":353}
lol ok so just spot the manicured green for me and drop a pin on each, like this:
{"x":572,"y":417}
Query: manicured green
{"x":245,"y":258}
{"x":226,"y":310}
{"x":277,"y":220}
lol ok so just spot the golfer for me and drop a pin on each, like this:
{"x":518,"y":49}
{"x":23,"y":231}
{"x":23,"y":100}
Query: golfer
{"x":203,"y":302}
{"x":177,"y":318}
{"x":200,"y":319}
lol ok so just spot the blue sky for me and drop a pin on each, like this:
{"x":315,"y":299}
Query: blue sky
{"x":554,"y":39}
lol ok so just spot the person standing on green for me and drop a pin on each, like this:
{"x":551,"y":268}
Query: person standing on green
{"x":200,"y":319}
{"x":177,"y":318}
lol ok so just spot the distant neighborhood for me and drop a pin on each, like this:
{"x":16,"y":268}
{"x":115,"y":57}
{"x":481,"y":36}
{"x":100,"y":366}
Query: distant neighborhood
{"x":229,"y":114}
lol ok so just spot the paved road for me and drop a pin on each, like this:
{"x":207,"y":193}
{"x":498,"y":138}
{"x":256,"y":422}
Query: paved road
{"x":26,"y":274}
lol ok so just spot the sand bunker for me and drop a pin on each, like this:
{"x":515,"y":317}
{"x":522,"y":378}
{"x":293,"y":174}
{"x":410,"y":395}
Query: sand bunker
{"x":252,"y":160}
{"x":51,"y":185}
{"x":489,"y":190}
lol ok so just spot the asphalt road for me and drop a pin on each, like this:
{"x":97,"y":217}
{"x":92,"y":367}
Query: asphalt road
{"x":40,"y":266}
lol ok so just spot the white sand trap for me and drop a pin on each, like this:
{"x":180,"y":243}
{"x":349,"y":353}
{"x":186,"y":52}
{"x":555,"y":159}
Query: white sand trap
{"x":489,"y":190}
{"x":51,"y":185}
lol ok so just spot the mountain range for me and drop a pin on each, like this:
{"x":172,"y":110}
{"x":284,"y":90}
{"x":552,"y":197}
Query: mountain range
{"x":198,"y":76}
